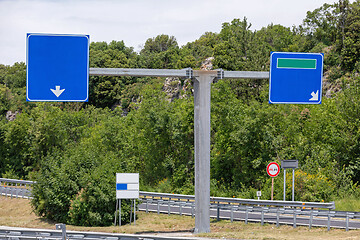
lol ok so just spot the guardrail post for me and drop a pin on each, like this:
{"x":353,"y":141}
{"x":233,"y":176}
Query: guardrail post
{"x":278,"y":216}
{"x":263,"y":210}
{"x":192,"y":210}
{"x":218,"y":213}
{"x":169,"y":207}
{"x":61,"y":227}
{"x":158,"y":207}
{"x":231,"y":214}
{"x":295,"y":213}
{"x":247,"y":214}
{"x":348,"y":215}
{"x":330,"y":214}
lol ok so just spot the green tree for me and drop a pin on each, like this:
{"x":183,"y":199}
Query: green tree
{"x":160,"y":52}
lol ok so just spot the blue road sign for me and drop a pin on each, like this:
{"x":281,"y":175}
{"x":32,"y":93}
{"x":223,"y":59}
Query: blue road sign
{"x":57,"y":67}
{"x":295,"y":78}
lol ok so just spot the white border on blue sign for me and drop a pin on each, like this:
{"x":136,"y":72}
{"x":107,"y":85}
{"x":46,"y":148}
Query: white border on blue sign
{"x":28,"y":35}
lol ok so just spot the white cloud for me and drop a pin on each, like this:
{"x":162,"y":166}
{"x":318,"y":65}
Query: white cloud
{"x":134,"y":21}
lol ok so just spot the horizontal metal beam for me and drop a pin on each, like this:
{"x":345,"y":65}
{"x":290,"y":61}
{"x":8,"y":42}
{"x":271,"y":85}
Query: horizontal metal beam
{"x":141,"y":72}
{"x":187,"y":73}
{"x":330,"y":205}
{"x":246,"y":74}
{"x":16,"y":181}
{"x":29,"y":233}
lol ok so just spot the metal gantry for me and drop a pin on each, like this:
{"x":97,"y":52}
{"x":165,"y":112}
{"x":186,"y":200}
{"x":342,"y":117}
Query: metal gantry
{"x":202,"y":94}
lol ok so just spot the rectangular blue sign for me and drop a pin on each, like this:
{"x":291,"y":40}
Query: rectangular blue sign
{"x":121,"y":186}
{"x":295,"y":78}
{"x":57,"y":67}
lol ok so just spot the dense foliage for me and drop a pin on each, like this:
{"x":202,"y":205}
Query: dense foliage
{"x":73,"y":150}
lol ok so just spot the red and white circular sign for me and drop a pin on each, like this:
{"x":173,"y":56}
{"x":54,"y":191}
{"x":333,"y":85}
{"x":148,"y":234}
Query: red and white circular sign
{"x":273,"y":169}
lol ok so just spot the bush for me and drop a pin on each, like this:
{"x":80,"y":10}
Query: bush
{"x":78,"y":187}
{"x":308,"y":187}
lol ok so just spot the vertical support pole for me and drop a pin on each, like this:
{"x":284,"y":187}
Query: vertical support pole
{"x":120,"y":213}
{"x":202,"y":92}
{"x":115,"y":211}
{"x":284,"y":183}
{"x":293,"y":185}
{"x":131,"y":206}
{"x":272,"y":188}
{"x":134,"y":212}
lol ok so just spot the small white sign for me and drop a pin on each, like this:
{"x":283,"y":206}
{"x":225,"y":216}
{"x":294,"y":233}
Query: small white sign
{"x":258,"y":193}
{"x":127,"y":185}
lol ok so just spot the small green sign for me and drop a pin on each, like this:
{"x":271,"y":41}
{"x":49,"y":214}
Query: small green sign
{"x":296,"y":63}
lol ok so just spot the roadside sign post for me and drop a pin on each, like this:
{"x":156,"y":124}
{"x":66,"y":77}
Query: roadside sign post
{"x":295,"y":78}
{"x":272,"y":169}
{"x":57,"y":67}
{"x":258,"y":194}
{"x":292,"y":164}
{"x":127,"y":187}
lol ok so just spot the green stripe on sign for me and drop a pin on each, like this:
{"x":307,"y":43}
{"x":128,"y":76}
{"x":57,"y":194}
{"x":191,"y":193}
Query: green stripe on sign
{"x":296,"y":63}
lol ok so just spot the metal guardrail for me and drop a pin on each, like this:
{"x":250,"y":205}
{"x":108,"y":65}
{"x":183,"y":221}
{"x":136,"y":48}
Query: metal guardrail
{"x":238,"y":201}
{"x":8,"y":186}
{"x":324,"y":217}
{"x":27,"y":233}
{"x":15,"y":188}
{"x":21,"y":188}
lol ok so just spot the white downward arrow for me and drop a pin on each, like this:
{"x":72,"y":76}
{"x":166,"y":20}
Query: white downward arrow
{"x":315,"y":96}
{"x":57,"y":91}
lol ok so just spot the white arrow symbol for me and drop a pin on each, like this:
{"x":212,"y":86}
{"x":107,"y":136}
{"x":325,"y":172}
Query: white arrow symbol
{"x":315,"y":96}
{"x":57,"y":91}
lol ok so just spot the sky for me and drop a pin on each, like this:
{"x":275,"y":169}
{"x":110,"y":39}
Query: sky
{"x":134,"y":21}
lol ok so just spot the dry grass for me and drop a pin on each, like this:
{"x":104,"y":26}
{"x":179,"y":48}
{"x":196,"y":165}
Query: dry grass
{"x":18,"y":213}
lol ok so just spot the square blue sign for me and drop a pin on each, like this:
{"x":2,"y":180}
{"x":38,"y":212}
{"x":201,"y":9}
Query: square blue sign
{"x":57,"y":67}
{"x":295,"y":78}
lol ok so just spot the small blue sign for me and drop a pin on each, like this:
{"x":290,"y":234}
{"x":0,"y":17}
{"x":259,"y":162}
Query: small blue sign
{"x":121,"y":186}
{"x":57,"y":67}
{"x":295,"y":78}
